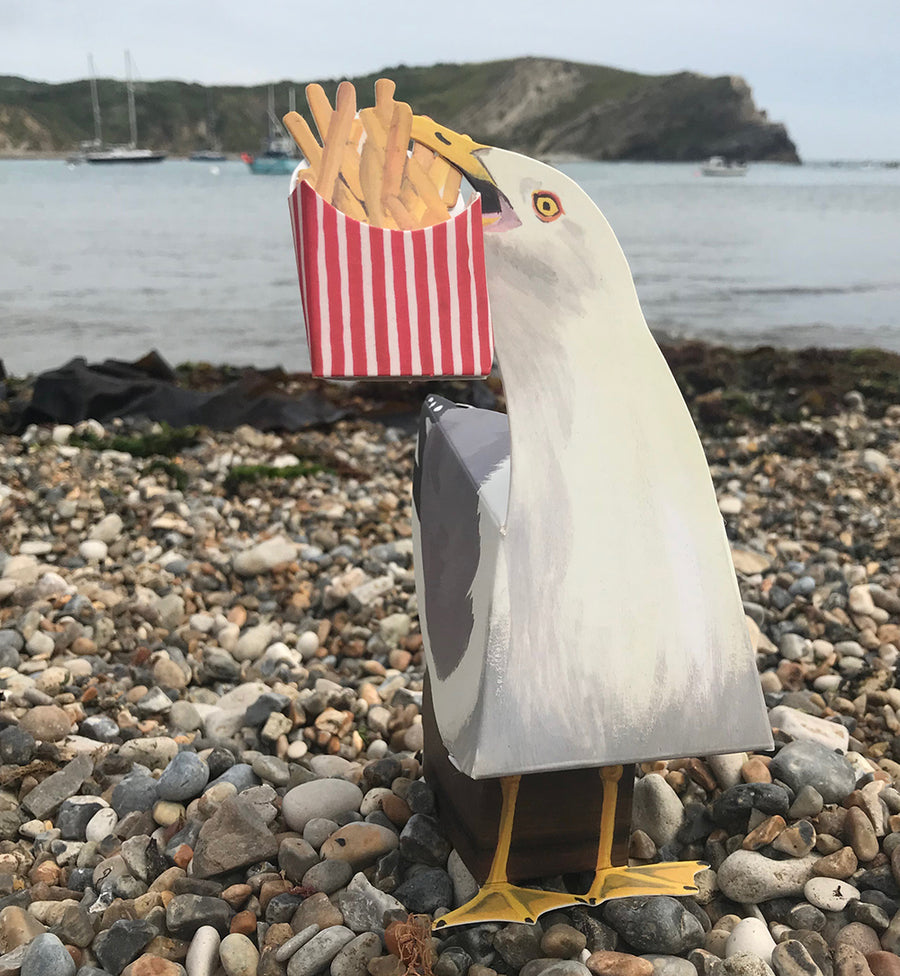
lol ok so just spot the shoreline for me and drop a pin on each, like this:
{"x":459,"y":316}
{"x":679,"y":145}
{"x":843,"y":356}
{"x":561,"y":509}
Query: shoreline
{"x":724,"y":386}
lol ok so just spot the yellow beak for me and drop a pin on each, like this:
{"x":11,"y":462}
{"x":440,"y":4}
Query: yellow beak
{"x":456,"y":149}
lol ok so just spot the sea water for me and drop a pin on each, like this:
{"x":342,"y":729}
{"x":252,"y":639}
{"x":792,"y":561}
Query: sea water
{"x":196,"y":259}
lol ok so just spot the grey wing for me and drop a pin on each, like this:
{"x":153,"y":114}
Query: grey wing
{"x":459,"y":449}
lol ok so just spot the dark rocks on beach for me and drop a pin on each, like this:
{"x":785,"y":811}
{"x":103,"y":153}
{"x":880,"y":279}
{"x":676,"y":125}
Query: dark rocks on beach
{"x":426,"y":891}
{"x":654,"y":924}
{"x":122,"y":943}
{"x":184,"y":777}
{"x":734,"y":805}
{"x":805,"y":763}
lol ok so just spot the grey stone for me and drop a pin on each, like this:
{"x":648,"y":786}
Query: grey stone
{"x":101,"y":728}
{"x":426,"y":891}
{"x":134,"y":794}
{"x":324,"y":798}
{"x":47,"y":955}
{"x":655,"y":923}
{"x":287,"y":949}
{"x":187,"y":913}
{"x":745,"y":964}
{"x":295,"y":857}
{"x":809,"y":763}
{"x":518,"y":944}
{"x":241,"y":775}
{"x":354,"y":957}
{"x":328,"y":876}
{"x":16,"y":746}
{"x":122,"y":943}
{"x":319,"y":951}
{"x":750,"y":877}
{"x":656,"y":810}
{"x":50,"y":793}
{"x":234,"y":836}
{"x":453,"y":961}
{"x":363,"y":905}
{"x":423,"y":841}
{"x":183,"y":778}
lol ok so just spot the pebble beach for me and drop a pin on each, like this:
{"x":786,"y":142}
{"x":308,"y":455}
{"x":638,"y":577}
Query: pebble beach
{"x":210,"y":732}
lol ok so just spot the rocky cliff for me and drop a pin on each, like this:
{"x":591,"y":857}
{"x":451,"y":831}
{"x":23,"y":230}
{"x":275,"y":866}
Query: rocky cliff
{"x":538,"y":106}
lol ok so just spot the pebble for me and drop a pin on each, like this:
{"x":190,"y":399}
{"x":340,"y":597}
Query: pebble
{"x":829,"y":894}
{"x":811,"y":763}
{"x":609,"y":963}
{"x":238,"y":955}
{"x":319,"y":951}
{"x":203,"y":954}
{"x":44,"y":955}
{"x":750,"y":877}
{"x":657,"y":810}
{"x":750,"y":935}
{"x":320,"y":798}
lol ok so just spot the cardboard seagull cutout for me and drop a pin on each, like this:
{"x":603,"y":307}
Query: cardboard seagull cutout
{"x":576,"y":593}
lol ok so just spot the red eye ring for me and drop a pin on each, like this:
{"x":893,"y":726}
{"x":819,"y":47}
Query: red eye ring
{"x":546,"y":205}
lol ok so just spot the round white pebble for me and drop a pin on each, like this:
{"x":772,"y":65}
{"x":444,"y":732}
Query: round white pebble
{"x":101,"y":825}
{"x":829,"y":894}
{"x":308,"y":644}
{"x":751,"y":935}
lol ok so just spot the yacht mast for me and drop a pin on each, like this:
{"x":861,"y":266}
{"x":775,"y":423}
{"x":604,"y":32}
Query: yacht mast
{"x":95,"y":104}
{"x":132,"y":118}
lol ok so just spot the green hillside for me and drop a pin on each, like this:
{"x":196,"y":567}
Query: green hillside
{"x":531,"y":104}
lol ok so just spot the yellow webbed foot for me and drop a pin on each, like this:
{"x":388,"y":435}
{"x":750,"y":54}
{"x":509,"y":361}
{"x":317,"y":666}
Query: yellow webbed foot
{"x":499,"y":901}
{"x":669,"y":878}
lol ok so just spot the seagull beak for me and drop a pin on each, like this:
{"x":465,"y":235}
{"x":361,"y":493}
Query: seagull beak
{"x":465,"y":154}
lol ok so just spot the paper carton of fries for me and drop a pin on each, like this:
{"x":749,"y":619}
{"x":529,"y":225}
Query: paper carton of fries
{"x":390,"y":262}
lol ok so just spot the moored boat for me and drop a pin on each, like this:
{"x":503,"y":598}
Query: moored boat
{"x":720,"y":166}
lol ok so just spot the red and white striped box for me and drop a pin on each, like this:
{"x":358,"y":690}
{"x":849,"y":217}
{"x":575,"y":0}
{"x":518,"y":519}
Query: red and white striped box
{"x":391,"y":303}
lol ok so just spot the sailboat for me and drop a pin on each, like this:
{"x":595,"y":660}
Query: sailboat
{"x":279,"y":154}
{"x":119,"y":154}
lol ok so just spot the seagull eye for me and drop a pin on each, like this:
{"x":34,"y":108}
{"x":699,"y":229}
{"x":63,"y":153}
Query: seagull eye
{"x":546,"y":205}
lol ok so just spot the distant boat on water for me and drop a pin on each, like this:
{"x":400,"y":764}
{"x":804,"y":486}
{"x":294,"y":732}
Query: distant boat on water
{"x":720,"y":166}
{"x":94,"y":151}
{"x":279,"y":155}
{"x":208,"y":156}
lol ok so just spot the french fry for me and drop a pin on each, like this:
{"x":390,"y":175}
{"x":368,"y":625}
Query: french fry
{"x":350,"y":162}
{"x":347,"y":203}
{"x":395,"y":157}
{"x":435,"y":209}
{"x":384,"y":100}
{"x":303,"y":136}
{"x":424,"y":156}
{"x":320,"y":108}
{"x":338,"y":133}
{"x":371,"y":168}
{"x":401,"y":215}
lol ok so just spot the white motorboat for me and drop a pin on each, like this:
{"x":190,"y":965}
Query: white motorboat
{"x":720,"y":166}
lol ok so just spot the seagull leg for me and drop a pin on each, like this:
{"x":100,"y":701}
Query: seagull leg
{"x":671,"y":878}
{"x":498,"y":900}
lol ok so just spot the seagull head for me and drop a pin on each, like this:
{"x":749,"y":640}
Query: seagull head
{"x":545,"y":238}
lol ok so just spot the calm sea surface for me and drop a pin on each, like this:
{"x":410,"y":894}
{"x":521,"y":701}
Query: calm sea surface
{"x":196,"y":260}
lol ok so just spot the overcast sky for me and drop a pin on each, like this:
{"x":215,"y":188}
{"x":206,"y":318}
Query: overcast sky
{"x":828,"y":69}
